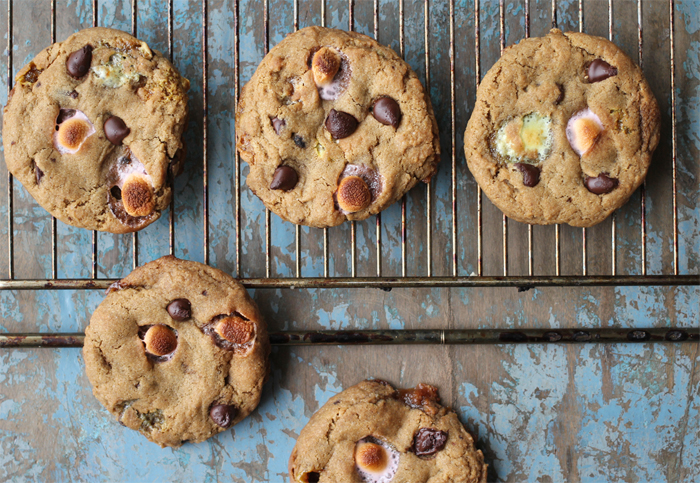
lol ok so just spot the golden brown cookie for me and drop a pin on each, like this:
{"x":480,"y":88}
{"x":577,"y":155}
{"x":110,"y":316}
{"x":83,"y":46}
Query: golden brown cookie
{"x":177,"y":351}
{"x":563,"y":130}
{"x":374,"y":433}
{"x":326,"y":105}
{"x":93,"y":129}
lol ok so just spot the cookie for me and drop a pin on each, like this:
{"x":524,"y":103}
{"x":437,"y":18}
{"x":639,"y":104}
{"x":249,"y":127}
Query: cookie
{"x":374,"y":433}
{"x":93,"y":128}
{"x":177,"y":351}
{"x":334,"y":127}
{"x":563,"y":130}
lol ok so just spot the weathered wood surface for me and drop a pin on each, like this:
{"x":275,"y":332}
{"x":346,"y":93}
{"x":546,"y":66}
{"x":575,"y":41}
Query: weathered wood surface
{"x":565,"y":413}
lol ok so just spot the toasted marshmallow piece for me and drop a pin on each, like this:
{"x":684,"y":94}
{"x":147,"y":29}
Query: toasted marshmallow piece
{"x":375,"y":461}
{"x":583,"y":130}
{"x":72,"y":132}
{"x":160,"y":340}
{"x":353,"y":194}
{"x":527,"y":138}
{"x":235,"y":329}
{"x":137,"y":195}
{"x":325,"y":65}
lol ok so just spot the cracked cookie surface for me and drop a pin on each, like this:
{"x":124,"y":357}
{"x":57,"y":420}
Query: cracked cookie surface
{"x":563,"y":130}
{"x":85,"y":114}
{"x":326,"y":104}
{"x":372,"y":432}
{"x":177,"y":351}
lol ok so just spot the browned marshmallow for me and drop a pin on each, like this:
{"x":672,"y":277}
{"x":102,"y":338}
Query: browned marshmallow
{"x":325,"y":65}
{"x":72,"y":133}
{"x":353,"y":194}
{"x":235,"y":329}
{"x":583,"y":130}
{"x":137,"y":195}
{"x":371,"y":457}
{"x":160,"y":340}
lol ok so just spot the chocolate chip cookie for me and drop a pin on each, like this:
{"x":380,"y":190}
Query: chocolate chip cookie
{"x":563,"y":130}
{"x":374,"y":433}
{"x":334,"y":127}
{"x":93,"y":129}
{"x":177,"y":351}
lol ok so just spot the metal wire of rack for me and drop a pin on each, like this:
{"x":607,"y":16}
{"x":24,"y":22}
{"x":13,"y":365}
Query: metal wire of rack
{"x":454,"y":278}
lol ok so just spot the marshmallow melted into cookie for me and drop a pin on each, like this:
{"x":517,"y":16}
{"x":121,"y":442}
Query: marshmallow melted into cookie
{"x":331,"y":71}
{"x":525,"y":139}
{"x":72,"y":130}
{"x":231,"y":332}
{"x":375,"y":460}
{"x":131,"y":196}
{"x":358,"y":187}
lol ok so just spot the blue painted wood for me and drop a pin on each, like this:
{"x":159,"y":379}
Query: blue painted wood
{"x":575,"y":413}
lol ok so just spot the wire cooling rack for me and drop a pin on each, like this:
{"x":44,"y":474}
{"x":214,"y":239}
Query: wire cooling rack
{"x":454,"y":274}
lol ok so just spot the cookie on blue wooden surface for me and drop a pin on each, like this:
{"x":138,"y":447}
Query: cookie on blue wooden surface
{"x":373,"y":433}
{"x":177,"y":351}
{"x":334,"y":127}
{"x":93,"y":130}
{"x":563,"y":130}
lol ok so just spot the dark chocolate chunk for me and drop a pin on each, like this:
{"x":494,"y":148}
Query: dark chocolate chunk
{"x":285,"y":178}
{"x":64,"y":115}
{"x":340,"y":124}
{"x":116,"y":192}
{"x":39,"y":174}
{"x":180,"y":309}
{"x":560,"y":97}
{"x":387,"y":111}
{"x":599,"y":70}
{"x":78,"y":63}
{"x":601,"y":184}
{"x":298,"y":140}
{"x":531,"y":174}
{"x":116,"y":130}
{"x":313,"y":477}
{"x":278,"y":124}
{"x":223,"y":414}
{"x":428,"y":441}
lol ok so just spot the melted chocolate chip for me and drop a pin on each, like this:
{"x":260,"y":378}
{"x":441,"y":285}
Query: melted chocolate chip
{"x":78,"y":63}
{"x":116,"y":192}
{"x":313,"y":477}
{"x":428,"y":441}
{"x":560,"y":97}
{"x":116,"y":130}
{"x":180,"y":309}
{"x":601,"y":184}
{"x":277,"y":124}
{"x":298,"y":140}
{"x":340,"y":124}
{"x":223,"y":414}
{"x":39,"y":174}
{"x":73,"y":95}
{"x":285,"y":179}
{"x":387,"y":111}
{"x":599,"y":70}
{"x":531,"y":174}
{"x":64,"y":115}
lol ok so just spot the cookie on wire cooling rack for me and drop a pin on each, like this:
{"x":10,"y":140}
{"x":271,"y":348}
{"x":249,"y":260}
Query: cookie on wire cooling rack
{"x":177,"y":351}
{"x":93,"y":129}
{"x":373,"y":433}
{"x":334,"y":127}
{"x":563,"y":130}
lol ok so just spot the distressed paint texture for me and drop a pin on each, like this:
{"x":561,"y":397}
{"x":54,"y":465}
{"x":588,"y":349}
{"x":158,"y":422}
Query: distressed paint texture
{"x":541,"y":414}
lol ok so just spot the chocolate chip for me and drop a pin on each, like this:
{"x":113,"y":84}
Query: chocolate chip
{"x":560,"y":97}
{"x":387,"y":111}
{"x":39,"y":174}
{"x":180,"y":309}
{"x":313,"y":477}
{"x":285,"y":178}
{"x":116,"y":192}
{"x":278,"y":124}
{"x":340,"y":124}
{"x":78,"y":63}
{"x":223,"y":414}
{"x":531,"y":174}
{"x":73,"y":95}
{"x":64,"y":115}
{"x":299,"y":141}
{"x":428,"y":441}
{"x":601,"y":184}
{"x":600,"y":70}
{"x":116,"y":130}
